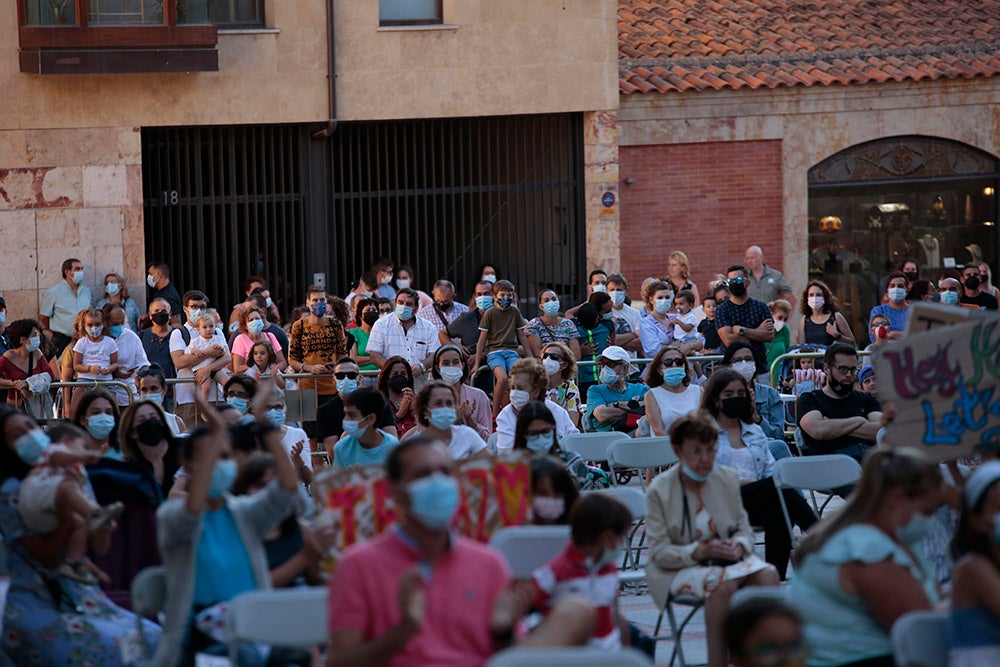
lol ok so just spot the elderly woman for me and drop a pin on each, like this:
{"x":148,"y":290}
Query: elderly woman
{"x":859,"y":571}
{"x":528,"y":382}
{"x":701,"y":542}
{"x":116,"y":291}
{"x":550,"y":326}
{"x":822,"y":323}
{"x":560,"y":365}
{"x":51,"y":621}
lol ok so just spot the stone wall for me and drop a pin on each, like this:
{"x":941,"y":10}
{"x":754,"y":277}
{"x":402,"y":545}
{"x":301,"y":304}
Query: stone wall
{"x":69,"y":193}
{"x":600,"y":165}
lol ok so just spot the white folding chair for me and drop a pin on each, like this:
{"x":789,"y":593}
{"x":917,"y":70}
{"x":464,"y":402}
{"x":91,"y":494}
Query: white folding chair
{"x":641,"y":454}
{"x":568,"y":657}
{"x":920,"y":639}
{"x":776,"y":593}
{"x":294,"y":617}
{"x":823,"y":473}
{"x":149,"y":593}
{"x":527,"y":548}
{"x":591,"y":446}
{"x":635,"y":501}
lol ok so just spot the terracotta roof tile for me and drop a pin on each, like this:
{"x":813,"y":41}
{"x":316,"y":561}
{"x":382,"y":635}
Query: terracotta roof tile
{"x":686,"y":45}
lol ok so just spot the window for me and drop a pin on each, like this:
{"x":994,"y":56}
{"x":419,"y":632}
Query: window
{"x":409,"y":12}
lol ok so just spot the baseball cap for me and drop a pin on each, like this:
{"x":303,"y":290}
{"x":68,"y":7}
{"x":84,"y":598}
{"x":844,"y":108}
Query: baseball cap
{"x":865,"y":373}
{"x":615,"y":353}
{"x":979,"y":481}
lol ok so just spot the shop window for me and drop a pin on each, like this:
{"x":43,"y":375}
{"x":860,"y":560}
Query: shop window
{"x":876,"y":205}
{"x":409,"y":12}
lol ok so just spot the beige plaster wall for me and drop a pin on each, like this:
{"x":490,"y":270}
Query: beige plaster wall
{"x":600,"y":175}
{"x":264,"y":77}
{"x":814,"y":123}
{"x":493,"y":57}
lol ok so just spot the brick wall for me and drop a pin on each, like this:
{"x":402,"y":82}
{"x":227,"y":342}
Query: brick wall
{"x":710,"y":200}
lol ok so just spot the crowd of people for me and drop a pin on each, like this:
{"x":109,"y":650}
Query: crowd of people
{"x":171,"y":440}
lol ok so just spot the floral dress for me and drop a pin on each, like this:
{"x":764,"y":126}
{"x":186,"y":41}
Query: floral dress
{"x":563,"y":332}
{"x":61,"y":621}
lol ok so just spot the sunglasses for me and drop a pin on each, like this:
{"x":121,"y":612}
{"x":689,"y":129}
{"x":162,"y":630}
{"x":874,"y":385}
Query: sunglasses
{"x":673,"y":362}
{"x":552,"y":355}
{"x":349,"y":375}
{"x":735,"y":281}
{"x":145,"y":373}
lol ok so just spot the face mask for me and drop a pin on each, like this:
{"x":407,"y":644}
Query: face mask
{"x":910,"y":275}
{"x":31,"y":445}
{"x":737,"y":407}
{"x":78,"y":277}
{"x":100,"y":425}
{"x":150,"y":432}
{"x":434,"y":500}
{"x":370,"y":317}
{"x":540,"y":443}
{"x":442,"y":418}
{"x":747,"y":369}
{"x":881,"y":332}
{"x":194,"y":314}
{"x":268,"y":302}
{"x":548,"y":509}
{"x":695,"y":476}
{"x":241,"y":404}
{"x":519,"y":398}
{"x":779,"y":325}
{"x":599,"y":288}
{"x":398,"y":383}
{"x":403,"y":283}
{"x":276,"y":417}
{"x":160,"y":318}
{"x":816,"y":302}
{"x":116,"y":330}
{"x":972,"y":282}
{"x":94,"y":332}
{"x":3,"y":317}
{"x":318,"y":309}
{"x":897,"y":294}
{"x":445,"y":306}
{"x":607,"y":316}
{"x":839,"y":388}
{"x":151,"y":281}
{"x":949,"y":298}
{"x":607,"y":557}
{"x":367,"y":294}
{"x":617,"y":297}
{"x":255,"y":327}
{"x":223,"y":476}
{"x":551,"y":366}
{"x":34,"y":343}
{"x":404,"y":313}
{"x":154,"y":398}
{"x":505,"y":302}
{"x":550,"y":308}
{"x":489,"y":277}
{"x":609,"y":376}
{"x":218,"y":329}
{"x":354,"y":428}
{"x":915,"y":530}
{"x":387,"y":279}
{"x":346,"y":386}
{"x":663,"y":305}
{"x":484,"y":303}
{"x":451,"y":374}
{"x":112,"y":289}
{"x":673,"y":376}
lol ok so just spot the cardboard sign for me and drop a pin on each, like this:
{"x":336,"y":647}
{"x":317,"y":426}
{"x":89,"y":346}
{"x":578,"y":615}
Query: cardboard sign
{"x":495,"y":493}
{"x":926,"y":316}
{"x":944,"y":386}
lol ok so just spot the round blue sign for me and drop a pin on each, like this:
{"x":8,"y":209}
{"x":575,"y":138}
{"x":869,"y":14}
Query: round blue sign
{"x":608,"y":199}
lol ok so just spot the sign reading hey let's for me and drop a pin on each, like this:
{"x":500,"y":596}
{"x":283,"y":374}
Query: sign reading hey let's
{"x":495,"y":493}
{"x":943,"y":386}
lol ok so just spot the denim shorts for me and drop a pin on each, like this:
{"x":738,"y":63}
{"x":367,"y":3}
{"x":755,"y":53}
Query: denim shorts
{"x":502,"y":359}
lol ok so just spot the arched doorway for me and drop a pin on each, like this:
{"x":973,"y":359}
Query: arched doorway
{"x":877,"y":204}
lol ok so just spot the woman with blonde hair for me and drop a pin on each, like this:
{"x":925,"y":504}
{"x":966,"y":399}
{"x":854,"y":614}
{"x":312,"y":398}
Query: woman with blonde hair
{"x":679,"y":274}
{"x":116,"y":291}
{"x":560,"y":365}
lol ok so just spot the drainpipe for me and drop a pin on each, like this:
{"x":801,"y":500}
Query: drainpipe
{"x":331,"y":125}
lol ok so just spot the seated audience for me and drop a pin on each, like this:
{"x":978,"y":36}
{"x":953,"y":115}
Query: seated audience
{"x":528,"y":382}
{"x":764,"y":633}
{"x":363,"y":443}
{"x":553,"y":491}
{"x":560,"y":365}
{"x":536,"y":433}
{"x":436,"y":417}
{"x":615,"y":404}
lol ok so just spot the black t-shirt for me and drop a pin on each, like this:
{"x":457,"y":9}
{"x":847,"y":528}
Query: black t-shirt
{"x":169,"y":294}
{"x":857,"y":404}
{"x":750,"y":315}
{"x":710,"y":330}
{"x":983,"y":300}
{"x":330,"y":418}
{"x":466,"y":328}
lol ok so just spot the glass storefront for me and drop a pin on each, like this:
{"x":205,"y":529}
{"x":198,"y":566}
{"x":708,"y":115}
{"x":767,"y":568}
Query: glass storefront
{"x":876,"y":205}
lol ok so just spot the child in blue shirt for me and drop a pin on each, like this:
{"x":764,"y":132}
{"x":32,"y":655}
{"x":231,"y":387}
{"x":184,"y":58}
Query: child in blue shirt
{"x":363,"y":444}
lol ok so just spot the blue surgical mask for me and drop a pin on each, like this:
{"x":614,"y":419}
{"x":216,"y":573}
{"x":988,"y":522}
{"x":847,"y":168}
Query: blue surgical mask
{"x":484,"y":303}
{"x":3,"y":317}
{"x":663,"y":305}
{"x":897,"y":294}
{"x":402,"y":283}
{"x":346,"y":386}
{"x":151,"y":281}
{"x":551,"y":308}
{"x":505,"y":302}
{"x":255,"y":327}
{"x":155,"y":398}
{"x":241,"y":404}
{"x":223,"y":476}
{"x":78,"y":277}
{"x":451,"y":374}
{"x":116,"y":330}
{"x":318,"y":309}
{"x":434,"y":500}
{"x":949,"y":298}
{"x":100,"y":425}
{"x":442,"y":418}
{"x":609,"y":376}
{"x":404,"y":312}
{"x":695,"y":476}
{"x":540,"y":443}
{"x":915,"y":530}
{"x":276,"y":417}
{"x":673,"y":376}
{"x":112,"y":289}
{"x":353,"y":428}
{"x":194,"y":314}
{"x":617,"y":297}
{"x":268,"y":302}
{"x":31,"y":445}
{"x":34,"y":343}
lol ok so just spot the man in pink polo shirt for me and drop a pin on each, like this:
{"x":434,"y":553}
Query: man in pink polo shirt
{"x":419,"y":594}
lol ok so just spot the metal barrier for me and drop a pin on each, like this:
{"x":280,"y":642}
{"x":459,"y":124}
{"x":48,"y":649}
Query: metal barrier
{"x":805,"y":355}
{"x":56,"y":409}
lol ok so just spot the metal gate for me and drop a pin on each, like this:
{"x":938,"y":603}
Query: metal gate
{"x":223,"y":203}
{"x":445,"y":196}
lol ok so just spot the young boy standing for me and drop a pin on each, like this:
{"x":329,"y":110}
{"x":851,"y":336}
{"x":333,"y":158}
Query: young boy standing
{"x":363,"y":442}
{"x":500,"y":331}
{"x":708,"y":328}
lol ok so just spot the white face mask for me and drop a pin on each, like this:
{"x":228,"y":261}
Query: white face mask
{"x":551,"y":366}
{"x":451,"y":374}
{"x":519,"y":398}
{"x":779,"y":325}
{"x":816,"y":302}
{"x":747,"y":369}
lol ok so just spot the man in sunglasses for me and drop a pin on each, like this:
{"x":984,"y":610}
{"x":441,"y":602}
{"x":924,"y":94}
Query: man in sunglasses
{"x":838,"y":419}
{"x":330,"y":415}
{"x":745,"y":318}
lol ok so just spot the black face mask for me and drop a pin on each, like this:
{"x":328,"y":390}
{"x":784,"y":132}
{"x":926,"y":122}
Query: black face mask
{"x":841,"y":389}
{"x":398,"y":383}
{"x":370,"y":317}
{"x":444,"y":306}
{"x":160,"y":318}
{"x":910,"y":275}
{"x":737,"y":407}
{"x":150,"y":432}
{"x":972,"y":282}
{"x":738,"y":289}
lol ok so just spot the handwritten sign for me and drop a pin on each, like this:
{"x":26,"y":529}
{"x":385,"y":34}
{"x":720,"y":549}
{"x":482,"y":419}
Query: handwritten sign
{"x":945,"y":387}
{"x":359,"y":501}
{"x":925,"y":316}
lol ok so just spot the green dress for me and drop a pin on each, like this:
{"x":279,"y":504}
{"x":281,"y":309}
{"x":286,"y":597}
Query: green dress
{"x":361,"y":336}
{"x":782,"y":340}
